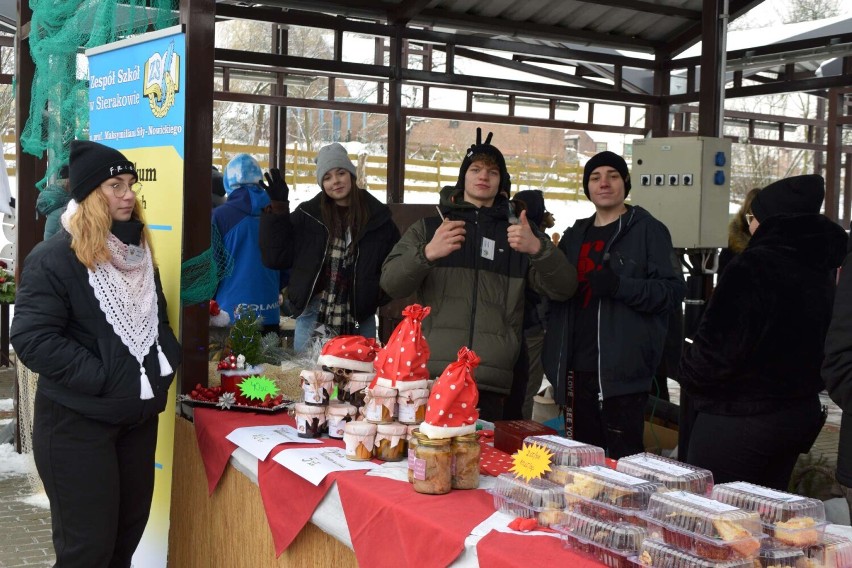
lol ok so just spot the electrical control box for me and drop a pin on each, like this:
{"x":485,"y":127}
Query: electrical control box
{"x":686,"y":184}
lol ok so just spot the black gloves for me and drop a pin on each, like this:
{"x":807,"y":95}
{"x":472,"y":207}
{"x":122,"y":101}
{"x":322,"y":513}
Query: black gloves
{"x":275,"y":185}
{"x":603,"y":282}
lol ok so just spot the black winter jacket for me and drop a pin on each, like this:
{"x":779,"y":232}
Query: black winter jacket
{"x":837,"y":366}
{"x":634,"y":320}
{"x":60,"y":332}
{"x":299,"y":241}
{"x":759,"y":346}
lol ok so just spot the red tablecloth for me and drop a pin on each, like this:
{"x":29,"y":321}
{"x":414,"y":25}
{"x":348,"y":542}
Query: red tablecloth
{"x":211,"y":427}
{"x":507,"y":550}
{"x":392,"y":525}
{"x":286,"y":516}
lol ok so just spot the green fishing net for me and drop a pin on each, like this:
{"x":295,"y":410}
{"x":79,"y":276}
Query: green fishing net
{"x":200,"y":275}
{"x":60,"y":31}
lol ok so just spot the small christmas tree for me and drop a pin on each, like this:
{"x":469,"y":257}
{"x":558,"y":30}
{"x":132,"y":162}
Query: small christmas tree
{"x":245,"y":338}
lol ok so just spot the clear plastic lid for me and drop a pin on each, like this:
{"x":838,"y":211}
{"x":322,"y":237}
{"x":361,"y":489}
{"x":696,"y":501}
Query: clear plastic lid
{"x":833,"y":552}
{"x":621,"y":537}
{"x":708,"y":528}
{"x":569,"y":452}
{"x":526,"y":499}
{"x":608,"y":486}
{"x":658,"y":554}
{"x":780,"y":558}
{"x":791,"y":519}
{"x":672,"y":474}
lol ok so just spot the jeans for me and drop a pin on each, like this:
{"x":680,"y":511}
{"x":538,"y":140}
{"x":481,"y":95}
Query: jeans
{"x":306,"y":325}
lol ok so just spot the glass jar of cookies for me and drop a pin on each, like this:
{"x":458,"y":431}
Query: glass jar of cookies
{"x":432,"y":466}
{"x":465,"y":470}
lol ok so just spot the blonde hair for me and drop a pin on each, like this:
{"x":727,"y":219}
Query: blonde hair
{"x":90,"y":226}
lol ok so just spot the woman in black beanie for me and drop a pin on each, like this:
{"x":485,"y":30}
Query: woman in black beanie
{"x":90,"y":319}
{"x":753,"y":370}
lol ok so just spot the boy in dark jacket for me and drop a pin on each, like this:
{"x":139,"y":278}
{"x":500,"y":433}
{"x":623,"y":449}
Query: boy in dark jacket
{"x":472,"y":269}
{"x":602,"y":348}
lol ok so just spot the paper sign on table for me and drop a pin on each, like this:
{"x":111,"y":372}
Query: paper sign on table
{"x":313,"y":464}
{"x":259,"y":440}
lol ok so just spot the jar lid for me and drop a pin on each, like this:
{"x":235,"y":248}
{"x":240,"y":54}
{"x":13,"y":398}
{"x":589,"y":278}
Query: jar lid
{"x":317,"y":375}
{"x":435,"y":443}
{"x":361,"y":378}
{"x":341,"y":409}
{"x":393,"y":429}
{"x":359,"y":428}
{"x":465,"y":438}
{"x":382,"y":392}
{"x":302,"y":408}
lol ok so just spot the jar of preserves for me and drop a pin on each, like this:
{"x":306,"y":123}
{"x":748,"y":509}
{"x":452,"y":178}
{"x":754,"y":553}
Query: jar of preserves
{"x":413,"y":438}
{"x":338,"y":414}
{"x":412,"y":406}
{"x":317,"y":387}
{"x":310,"y":420}
{"x":390,"y":441}
{"x":353,"y":390}
{"x":380,"y":404}
{"x":432,"y":464}
{"x":465,"y":469}
{"x":359,"y":438}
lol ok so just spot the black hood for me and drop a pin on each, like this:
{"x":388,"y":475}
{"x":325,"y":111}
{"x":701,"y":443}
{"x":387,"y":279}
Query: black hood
{"x":813,"y":239}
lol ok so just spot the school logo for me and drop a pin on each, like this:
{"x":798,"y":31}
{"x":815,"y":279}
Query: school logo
{"x":162,"y":81}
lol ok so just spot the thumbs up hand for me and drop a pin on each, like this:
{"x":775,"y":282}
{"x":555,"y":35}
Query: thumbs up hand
{"x":522,"y":238}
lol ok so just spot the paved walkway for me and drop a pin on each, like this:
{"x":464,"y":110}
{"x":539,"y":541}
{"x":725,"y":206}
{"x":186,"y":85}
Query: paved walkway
{"x":24,"y":528}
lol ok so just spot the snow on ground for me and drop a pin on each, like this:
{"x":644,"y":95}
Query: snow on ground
{"x":6,"y":405}
{"x":13,"y":464}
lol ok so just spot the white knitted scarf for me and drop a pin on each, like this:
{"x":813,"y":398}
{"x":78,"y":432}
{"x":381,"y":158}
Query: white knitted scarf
{"x":125,"y":290}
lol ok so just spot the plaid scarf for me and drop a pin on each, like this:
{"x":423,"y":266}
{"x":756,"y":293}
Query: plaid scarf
{"x":334,"y":310}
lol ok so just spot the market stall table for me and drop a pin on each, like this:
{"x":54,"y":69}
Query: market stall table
{"x":218,"y":518}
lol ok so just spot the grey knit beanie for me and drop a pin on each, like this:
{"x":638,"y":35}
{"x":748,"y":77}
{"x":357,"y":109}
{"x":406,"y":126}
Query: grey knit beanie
{"x":331,"y":157}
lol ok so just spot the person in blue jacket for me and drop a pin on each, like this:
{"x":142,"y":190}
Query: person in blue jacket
{"x":237,"y":221}
{"x":334,"y":244}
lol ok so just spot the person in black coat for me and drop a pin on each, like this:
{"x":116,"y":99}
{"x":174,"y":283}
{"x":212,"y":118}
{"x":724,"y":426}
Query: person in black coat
{"x":90,"y":319}
{"x":837,"y":371}
{"x":602,"y":348}
{"x":334,"y":244}
{"x":753,"y":370}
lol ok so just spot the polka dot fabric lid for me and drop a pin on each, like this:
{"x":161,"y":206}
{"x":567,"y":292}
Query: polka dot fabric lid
{"x":401,"y":364}
{"x":451,"y":410}
{"x":353,"y":352}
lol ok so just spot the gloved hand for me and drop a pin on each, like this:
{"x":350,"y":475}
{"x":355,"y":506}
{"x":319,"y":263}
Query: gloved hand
{"x":603,"y":282}
{"x":275,"y":185}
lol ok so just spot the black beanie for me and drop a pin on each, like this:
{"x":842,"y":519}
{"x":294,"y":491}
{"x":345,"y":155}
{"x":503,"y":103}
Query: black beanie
{"x":485,"y":148}
{"x":606,"y":158}
{"x":534,"y":200}
{"x":91,"y":164}
{"x":797,"y":195}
